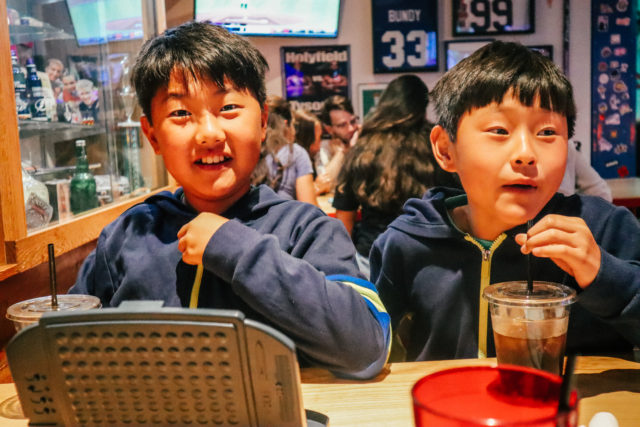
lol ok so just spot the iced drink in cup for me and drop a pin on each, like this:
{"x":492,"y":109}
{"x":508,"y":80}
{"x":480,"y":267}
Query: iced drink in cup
{"x":530,"y":328}
{"x":27,"y":312}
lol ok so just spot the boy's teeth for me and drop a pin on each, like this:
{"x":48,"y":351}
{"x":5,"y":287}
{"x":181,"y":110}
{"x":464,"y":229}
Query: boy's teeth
{"x":212,"y":159}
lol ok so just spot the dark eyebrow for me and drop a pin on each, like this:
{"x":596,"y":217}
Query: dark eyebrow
{"x":179,"y":93}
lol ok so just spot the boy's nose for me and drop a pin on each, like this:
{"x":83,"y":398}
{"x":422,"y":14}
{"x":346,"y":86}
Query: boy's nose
{"x":524,"y":154}
{"x":209,"y":130}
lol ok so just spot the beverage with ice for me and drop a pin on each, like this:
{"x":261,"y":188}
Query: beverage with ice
{"x":538,"y":346}
{"x":530,"y":328}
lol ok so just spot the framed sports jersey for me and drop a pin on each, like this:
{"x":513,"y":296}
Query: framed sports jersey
{"x":489,"y":17}
{"x":405,"y":35}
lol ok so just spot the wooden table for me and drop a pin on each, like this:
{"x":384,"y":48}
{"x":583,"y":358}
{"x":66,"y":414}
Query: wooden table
{"x":604,"y":384}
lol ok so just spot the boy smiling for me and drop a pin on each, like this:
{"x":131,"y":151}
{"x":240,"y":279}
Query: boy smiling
{"x":218,"y":242}
{"x":505,"y":115}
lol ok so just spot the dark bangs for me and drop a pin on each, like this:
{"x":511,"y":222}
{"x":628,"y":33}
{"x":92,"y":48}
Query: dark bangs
{"x":198,"y":51}
{"x":490,"y":73}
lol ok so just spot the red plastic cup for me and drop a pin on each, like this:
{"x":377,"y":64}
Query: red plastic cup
{"x":504,"y":395}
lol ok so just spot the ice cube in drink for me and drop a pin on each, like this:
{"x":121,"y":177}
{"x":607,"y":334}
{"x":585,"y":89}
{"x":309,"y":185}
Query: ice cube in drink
{"x":538,"y":345}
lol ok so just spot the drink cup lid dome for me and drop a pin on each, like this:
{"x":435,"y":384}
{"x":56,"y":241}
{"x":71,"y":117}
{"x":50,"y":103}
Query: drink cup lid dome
{"x":31,"y":310}
{"x":516,"y":294}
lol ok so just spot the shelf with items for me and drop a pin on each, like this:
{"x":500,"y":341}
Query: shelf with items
{"x":56,"y":131}
{"x":30,"y":33}
{"x":45,"y":146}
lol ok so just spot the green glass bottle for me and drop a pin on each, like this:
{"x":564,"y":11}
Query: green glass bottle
{"x":83,"y":195}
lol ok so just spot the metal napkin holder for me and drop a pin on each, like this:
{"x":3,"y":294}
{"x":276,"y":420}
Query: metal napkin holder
{"x":141,"y":364}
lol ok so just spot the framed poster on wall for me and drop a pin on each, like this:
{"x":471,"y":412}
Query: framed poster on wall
{"x":310,"y":74}
{"x":405,"y":35}
{"x":457,"y":50}
{"x":489,"y":17}
{"x":368,"y":96}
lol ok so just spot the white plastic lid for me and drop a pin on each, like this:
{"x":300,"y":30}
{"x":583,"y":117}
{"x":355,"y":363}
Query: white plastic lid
{"x":30,"y":311}
{"x":516,"y":294}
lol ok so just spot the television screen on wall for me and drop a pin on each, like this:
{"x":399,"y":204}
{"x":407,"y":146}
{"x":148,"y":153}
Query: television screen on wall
{"x":103,"y":21}
{"x":286,"y":18}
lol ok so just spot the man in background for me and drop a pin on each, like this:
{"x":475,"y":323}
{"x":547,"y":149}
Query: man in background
{"x":343,"y":126}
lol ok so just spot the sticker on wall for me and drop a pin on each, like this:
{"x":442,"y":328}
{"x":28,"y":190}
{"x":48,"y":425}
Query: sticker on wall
{"x":613,"y":90}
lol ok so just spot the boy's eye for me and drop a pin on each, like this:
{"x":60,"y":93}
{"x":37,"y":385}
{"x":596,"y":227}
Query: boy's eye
{"x":229,"y":107}
{"x":180,"y":113}
{"x":547,"y":132}
{"x":499,"y":131}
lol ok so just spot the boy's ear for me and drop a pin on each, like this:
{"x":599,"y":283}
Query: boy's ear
{"x":443,"y":149}
{"x":147,"y":129}
{"x":264,"y":117}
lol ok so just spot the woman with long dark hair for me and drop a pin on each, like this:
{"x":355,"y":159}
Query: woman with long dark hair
{"x":390,"y":163}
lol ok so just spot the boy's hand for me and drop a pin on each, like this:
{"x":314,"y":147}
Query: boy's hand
{"x":194,"y":236}
{"x":568,"y":242}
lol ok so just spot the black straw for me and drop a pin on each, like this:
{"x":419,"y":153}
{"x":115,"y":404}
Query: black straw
{"x":529,"y":261}
{"x":53,"y":286}
{"x":565,"y":388}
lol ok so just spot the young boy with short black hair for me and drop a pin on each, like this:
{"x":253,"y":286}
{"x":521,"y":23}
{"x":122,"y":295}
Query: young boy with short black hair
{"x":505,"y":115}
{"x":218,"y":242}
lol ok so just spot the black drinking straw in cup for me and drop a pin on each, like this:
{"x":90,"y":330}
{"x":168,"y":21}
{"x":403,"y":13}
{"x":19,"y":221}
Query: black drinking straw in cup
{"x":567,"y":402}
{"x":53,"y":286}
{"x":28,"y":312}
{"x":529,"y":260}
{"x":564,"y":403}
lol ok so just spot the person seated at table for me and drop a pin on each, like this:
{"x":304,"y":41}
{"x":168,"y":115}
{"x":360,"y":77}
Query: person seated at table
{"x":284,"y":165}
{"x":390,"y":163}
{"x":217,"y":241}
{"x":342,"y":124}
{"x":504,"y":118}
{"x":581,"y":177}
{"x":308,"y":132}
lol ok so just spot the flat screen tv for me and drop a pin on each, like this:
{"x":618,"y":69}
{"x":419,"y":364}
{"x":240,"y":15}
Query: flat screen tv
{"x":103,"y":21}
{"x":288,"y":18}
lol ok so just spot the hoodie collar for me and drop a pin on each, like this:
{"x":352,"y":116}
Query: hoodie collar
{"x":428,"y":217}
{"x":255,"y":200}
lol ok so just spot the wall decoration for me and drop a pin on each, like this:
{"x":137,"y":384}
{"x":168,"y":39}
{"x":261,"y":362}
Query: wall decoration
{"x":405,"y":35}
{"x":457,"y":50}
{"x":544,"y":49}
{"x":613,"y":83}
{"x":488,"y":17}
{"x":312,"y":73}
{"x":368,"y":96}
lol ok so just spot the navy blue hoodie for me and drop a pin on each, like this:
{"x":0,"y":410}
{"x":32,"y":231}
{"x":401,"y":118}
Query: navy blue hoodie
{"x":425,"y":265}
{"x":281,"y":262}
